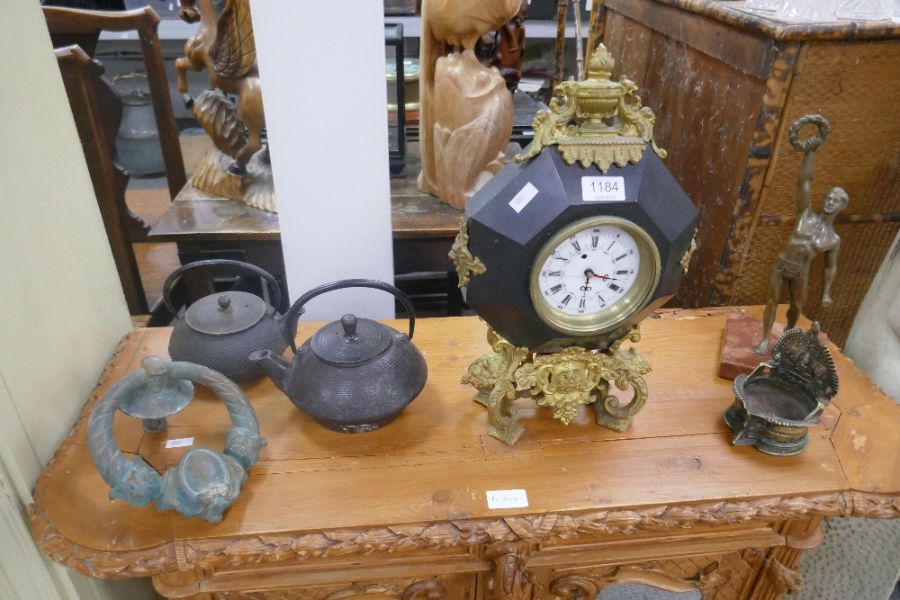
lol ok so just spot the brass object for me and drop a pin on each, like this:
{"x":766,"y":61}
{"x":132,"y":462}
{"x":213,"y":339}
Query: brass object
{"x":773,"y":411}
{"x":465,"y":262}
{"x":685,"y":261}
{"x":493,"y":376}
{"x":608,"y":319}
{"x":561,"y":380}
{"x":813,"y":234}
{"x":611,"y":126}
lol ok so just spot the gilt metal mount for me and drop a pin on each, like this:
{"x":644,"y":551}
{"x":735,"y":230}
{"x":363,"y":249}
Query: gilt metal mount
{"x":610,"y":124}
{"x":465,"y":262}
{"x":561,"y":380}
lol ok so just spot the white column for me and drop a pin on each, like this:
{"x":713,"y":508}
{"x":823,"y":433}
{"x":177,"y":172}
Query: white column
{"x":322,"y":71}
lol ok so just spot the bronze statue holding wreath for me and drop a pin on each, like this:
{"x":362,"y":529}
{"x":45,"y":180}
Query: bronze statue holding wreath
{"x":813,"y":234}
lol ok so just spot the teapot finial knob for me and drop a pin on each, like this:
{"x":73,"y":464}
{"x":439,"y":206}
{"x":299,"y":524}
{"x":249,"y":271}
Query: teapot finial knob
{"x":348,"y":322}
{"x":224,"y":301}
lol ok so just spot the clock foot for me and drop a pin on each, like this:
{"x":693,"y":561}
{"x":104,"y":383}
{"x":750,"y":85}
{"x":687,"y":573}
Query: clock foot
{"x":492,"y":374}
{"x":626,"y":368}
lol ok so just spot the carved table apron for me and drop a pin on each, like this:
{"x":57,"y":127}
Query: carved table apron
{"x":401,"y":512}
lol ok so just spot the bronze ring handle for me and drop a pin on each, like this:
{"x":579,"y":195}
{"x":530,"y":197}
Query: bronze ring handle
{"x":133,"y":479}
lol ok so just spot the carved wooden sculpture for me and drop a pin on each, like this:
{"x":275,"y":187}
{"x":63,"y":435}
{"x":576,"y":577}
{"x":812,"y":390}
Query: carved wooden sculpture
{"x":466,"y":114}
{"x":505,"y":47}
{"x":238,"y":167}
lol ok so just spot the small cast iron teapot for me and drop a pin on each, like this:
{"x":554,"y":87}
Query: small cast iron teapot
{"x":353,"y":375}
{"x":219,"y":331}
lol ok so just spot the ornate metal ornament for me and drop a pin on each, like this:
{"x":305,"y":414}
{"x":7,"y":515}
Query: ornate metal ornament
{"x":773,"y":411}
{"x":465,"y":262}
{"x":561,"y":380}
{"x":611,"y":126}
{"x":685,"y":261}
{"x":205,"y":482}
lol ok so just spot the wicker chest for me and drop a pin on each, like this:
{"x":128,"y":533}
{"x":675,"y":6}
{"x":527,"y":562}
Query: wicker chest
{"x":726,"y":84}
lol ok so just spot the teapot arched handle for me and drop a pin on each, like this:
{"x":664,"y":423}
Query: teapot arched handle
{"x":293,"y":315}
{"x":237,"y":265}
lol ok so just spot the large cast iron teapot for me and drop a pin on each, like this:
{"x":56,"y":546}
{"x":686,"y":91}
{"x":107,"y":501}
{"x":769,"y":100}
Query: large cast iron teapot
{"x":353,"y":375}
{"x":219,"y":331}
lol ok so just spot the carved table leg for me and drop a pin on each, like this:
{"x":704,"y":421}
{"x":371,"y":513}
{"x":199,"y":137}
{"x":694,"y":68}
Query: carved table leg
{"x":510,"y":580}
{"x":779,"y":575}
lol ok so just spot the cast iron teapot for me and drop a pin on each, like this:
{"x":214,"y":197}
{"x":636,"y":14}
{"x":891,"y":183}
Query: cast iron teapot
{"x":353,"y":375}
{"x":219,"y":331}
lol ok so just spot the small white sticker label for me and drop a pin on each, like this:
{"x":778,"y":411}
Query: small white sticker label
{"x":603,"y":189}
{"x":525,"y":195}
{"x":180,"y":442}
{"x":506,"y":498}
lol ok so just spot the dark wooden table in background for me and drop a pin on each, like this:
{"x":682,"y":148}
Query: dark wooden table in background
{"x":205,"y":226}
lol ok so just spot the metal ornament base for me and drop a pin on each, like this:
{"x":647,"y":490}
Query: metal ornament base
{"x":562,"y":380}
{"x":768,"y":439}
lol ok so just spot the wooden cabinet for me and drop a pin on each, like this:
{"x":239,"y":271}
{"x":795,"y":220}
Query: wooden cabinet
{"x":725,"y":85}
{"x":401,"y":512}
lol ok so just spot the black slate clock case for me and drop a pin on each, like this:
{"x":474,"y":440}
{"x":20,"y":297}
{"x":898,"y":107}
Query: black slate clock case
{"x":507,"y":241}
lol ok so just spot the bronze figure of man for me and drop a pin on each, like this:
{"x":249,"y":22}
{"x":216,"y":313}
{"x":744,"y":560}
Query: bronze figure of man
{"x":813,"y":234}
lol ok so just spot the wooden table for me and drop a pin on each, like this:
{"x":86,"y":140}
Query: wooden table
{"x":725,"y":84}
{"x":205,"y":227}
{"x":401,"y":512}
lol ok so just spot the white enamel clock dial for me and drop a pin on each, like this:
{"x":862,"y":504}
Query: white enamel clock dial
{"x":593,"y":274}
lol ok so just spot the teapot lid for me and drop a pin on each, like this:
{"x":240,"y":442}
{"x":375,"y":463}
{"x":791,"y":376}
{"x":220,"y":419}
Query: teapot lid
{"x":351,"y":341}
{"x":225,"y":313}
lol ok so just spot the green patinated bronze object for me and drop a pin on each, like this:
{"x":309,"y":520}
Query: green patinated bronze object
{"x":205,"y":482}
{"x":813,"y":234}
{"x":774,"y":410}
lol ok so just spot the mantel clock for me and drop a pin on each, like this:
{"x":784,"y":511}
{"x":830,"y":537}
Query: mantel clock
{"x":566,"y":251}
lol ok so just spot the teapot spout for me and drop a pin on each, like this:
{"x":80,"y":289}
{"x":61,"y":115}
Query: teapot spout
{"x":275,"y":367}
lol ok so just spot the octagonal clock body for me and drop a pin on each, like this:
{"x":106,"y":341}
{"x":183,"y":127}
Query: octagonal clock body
{"x":574,"y":256}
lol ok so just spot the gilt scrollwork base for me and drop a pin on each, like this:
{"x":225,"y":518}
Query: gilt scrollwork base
{"x":562,"y":381}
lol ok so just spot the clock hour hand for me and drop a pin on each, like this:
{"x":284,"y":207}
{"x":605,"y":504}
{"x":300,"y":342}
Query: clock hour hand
{"x":603,"y":277}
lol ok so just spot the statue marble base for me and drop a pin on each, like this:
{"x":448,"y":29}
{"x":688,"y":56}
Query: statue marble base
{"x":562,"y":380}
{"x":254,"y":188}
{"x":742,"y":333}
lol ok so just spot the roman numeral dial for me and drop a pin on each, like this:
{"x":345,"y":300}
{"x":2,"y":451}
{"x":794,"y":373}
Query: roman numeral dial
{"x":590,"y":274}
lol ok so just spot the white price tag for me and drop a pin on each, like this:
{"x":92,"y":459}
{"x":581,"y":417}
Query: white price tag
{"x":524,"y":196}
{"x":180,"y":442}
{"x":603,"y":189}
{"x":507,"y":498}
